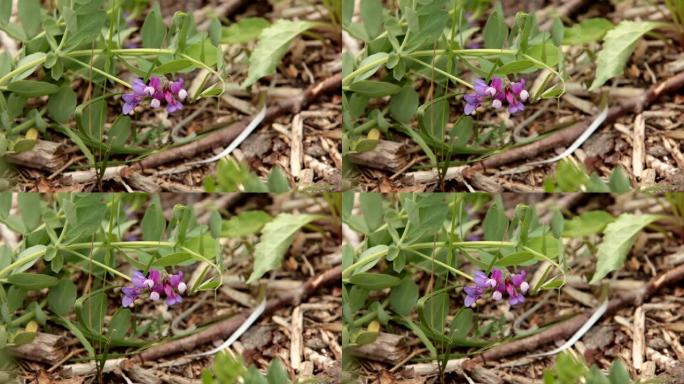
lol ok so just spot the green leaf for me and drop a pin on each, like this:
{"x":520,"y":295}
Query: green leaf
{"x":5,"y":12}
{"x":204,"y":52}
{"x":244,"y":224}
{"x":32,"y":280}
{"x":5,"y":204}
{"x":557,"y":224}
{"x":370,"y":65}
{"x":275,"y":240}
{"x":587,"y":224}
{"x":514,"y":67}
{"x":461,"y":324}
{"x":32,"y":88}
{"x":276,"y":373}
{"x":374,"y":88}
{"x":27,"y":60}
{"x":36,"y":249}
{"x":619,"y":181}
{"x":277,"y":181}
{"x":153,"y":223}
{"x":557,"y":31}
{"x":372,"y":209}
{"x":495,"y":222}
{"x":29,"y":13}
{"x":433,"y":120}
{"x":404,"y":297}
{"x":89,"y":28}
{"x":5,"y":63}
{"x":495,"y":31}
{"x":153,"y":29}
{"x":374,"y":281}
{"x":215,"y":31}
{"x":595,"y":376}
{"x":62,"y":297}
{"x":618,"y":373}
{"x":29,"y":205}
{"x":244,"y":31}
{"x":215,"y":224}
{"x":404,"y":104}
{"x":516,"y":258}
{"x":15,"y":298}
{"x":587,"y":31}
{"x":120,"y":131}
{"x":371,"y":13}
{"x":618,"y":239}
{"x":274,"y":42}
{"x":61,"y":105}
{"x":120,"y":324}
{"x":173,"y":259}
{"x":618,"y":46}
{"x":173,"y":66}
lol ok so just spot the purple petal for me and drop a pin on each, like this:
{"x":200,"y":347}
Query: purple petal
{"x":480,"y":87}
{"x":130,"y":291}
{"x":155,"y":82}
{"x":155,"y":276}
{"x":176,"y":86}
{"x":498,"y":84}
{"x":176,"y":279}
{"x":138,"y":87}
{"x":127,"y":301}
{"x":518,"y":87}
{"x":472,"y":290}
{"x":498,"y":276}
{"x":518,"y":278}
{"x":469,"y":301}
{"x":128,"y":108}
{"x":138,"y":279}
{"x":131,"y":98}
{"x":481,"y":279}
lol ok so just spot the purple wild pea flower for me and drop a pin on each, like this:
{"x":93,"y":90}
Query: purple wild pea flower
{"x":129,"y":296}
{"x":172,"y":286}
{"x":514,"y":297}
{"x":472,"y":103}
{"x":514,"y":285}
{"x":473,"y":294}
{"x":157,"y":91}
{"x":496,"y":91}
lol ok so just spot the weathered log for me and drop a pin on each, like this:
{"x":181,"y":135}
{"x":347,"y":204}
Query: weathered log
{"x":45,"y":155}
{"x":45,"y":348}
{"x":387,"y":155}
{"x":387,"y":348}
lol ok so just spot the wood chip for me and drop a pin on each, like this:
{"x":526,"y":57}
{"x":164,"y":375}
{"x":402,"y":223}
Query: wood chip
{"x":296,"y":145}
{"x":638,"y":145}
{"x":296,"y":338}
{"x":638,"y":341}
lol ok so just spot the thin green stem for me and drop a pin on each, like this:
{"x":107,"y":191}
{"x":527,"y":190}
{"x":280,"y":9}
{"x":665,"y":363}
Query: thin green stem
{"x":444,"y":265}
{"x":103,"y":266}
{"x":462,"y":244}
{"x":117,"y":244}
{"x":101,"y":72}
{"x":22,"y":69}
{"x":444,"y":73}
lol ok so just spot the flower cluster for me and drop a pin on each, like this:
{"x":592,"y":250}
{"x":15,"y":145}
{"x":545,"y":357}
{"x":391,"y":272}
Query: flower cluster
{"x":514,"y":285}
{"x":514,"y":94}
{"x":154,"y":285}
{"x":157,"y":90}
